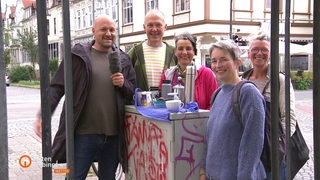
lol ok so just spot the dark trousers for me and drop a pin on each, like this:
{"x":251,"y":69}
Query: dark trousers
{"x":282,"y":172}
{"x":96,"y":147}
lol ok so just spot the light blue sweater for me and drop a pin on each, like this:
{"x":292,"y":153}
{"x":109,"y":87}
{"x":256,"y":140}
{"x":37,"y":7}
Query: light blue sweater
{"x":232,"y":150}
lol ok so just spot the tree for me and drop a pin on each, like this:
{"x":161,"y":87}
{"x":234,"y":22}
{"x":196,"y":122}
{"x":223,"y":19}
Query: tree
{"x":6,"y":57}
{"x":53,"y":66}
{"x":27,"y":41}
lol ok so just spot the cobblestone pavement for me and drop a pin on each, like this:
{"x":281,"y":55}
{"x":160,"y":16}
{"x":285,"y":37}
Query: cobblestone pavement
{"x":304,"y":115}
{"x":23,"y":141}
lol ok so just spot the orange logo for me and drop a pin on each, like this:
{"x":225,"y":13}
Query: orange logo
{"x":61,"y":170}
{"x":25,"y":161}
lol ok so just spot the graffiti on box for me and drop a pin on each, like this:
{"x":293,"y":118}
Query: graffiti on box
{"x":149,"y":144}
{"x":147,"y":148}
{"x":190,"y":141}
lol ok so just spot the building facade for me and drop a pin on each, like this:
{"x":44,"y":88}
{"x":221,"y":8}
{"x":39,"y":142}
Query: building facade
{"x":209,"y":20}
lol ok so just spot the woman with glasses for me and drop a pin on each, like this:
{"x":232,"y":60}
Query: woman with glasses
{"x":233,"y":146}
{"x":259,"y":55}
{"x":205,"y":81}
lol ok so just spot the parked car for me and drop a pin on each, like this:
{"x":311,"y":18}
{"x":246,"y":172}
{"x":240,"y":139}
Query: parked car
{"x":7,"y":80}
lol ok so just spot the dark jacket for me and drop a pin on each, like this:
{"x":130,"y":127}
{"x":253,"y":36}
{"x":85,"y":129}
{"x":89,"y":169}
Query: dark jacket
{"x":138,"y":62}
{"x":81,"y":74}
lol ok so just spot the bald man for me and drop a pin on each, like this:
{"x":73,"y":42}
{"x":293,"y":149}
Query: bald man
{"x":151,"y":56}
{"x":99,"y":97}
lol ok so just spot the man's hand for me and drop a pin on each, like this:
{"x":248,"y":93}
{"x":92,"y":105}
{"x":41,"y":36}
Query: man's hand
{"x":117,"y":79}
{"x":38,"y":126}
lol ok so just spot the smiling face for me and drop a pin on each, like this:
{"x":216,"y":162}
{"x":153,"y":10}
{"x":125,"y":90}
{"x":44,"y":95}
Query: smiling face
{"x":104,"y":31}
{"x":184,"y":52}
{"x":154,"y":26}
{"x":259,"y":53}
{"x":224,"y":66}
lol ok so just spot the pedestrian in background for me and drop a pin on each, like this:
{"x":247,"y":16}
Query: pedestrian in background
{"x":205,"y":81}
{"x":150,"y":57}
{"x":99,"y":97}
{"x":233,"y":146}
{"x":259,"y":55}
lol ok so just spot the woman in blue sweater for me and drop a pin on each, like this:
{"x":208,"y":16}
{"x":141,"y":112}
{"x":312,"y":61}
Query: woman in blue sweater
{"x":233,"y":146}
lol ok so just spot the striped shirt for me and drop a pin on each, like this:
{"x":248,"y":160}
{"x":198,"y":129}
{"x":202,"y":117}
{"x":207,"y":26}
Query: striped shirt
{"x":154,"y":62}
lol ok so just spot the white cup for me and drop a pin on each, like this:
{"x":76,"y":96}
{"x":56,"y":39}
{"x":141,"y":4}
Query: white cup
{"x":174,"y":105}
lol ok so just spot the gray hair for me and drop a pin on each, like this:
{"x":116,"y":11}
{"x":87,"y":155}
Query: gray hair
{"x":261,"y":35}
{"x":227,"y":45}
{"x":155,"y":12}
{"x":189,"y":37}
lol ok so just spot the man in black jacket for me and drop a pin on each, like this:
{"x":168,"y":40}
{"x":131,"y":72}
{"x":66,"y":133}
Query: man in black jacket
{"x":99,"y":96}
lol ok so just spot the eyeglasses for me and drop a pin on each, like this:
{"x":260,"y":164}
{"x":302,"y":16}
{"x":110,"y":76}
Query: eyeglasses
{"x":263,"y":50}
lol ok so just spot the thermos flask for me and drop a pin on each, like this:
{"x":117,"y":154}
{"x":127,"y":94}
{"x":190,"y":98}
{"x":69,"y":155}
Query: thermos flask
{"x":166,"y":88}
{"x":189,"y":85}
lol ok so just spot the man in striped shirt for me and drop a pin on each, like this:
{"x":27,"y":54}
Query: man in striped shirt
{"x":150,"y":57}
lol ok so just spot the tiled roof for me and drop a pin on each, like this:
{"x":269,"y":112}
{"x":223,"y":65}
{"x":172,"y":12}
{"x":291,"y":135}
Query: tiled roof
{"x":29,"y":3}
{"x":3,"y":16}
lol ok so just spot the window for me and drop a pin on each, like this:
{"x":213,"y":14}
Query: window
{"x":207,"y":61}
{"x":99,"y":7}
{"x":151,"y":4}
{"x":90,"y":16}
{"x":127,"y":10}
{"x":53,"y":51}
{"x":242,"y":10}
{"x":55,"y":2}
{"x":54,"y":26}
{"x":300,"y":63}
{"x":48,"y":27}
{"x":111,"y":9}
{"x":84,"y":16}
{"x":268,"y":5}
{"x":182,"y":5}
{"x":302,"y":11}
{"x":78,"y":19}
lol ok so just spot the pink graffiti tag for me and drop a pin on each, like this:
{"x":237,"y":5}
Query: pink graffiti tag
{"x":147,"y":148}
{"x":188,"y":143}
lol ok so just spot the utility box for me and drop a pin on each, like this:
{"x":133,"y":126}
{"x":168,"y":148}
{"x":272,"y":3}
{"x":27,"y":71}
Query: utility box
{"x":165,"y":150}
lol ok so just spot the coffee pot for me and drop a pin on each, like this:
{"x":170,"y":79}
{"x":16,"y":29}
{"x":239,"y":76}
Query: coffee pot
{"x":179,"y":89}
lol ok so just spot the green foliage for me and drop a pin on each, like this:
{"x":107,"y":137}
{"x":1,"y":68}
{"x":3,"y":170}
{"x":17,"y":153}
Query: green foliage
{"x":27,"y":41}
{"x":6,"y":54}
{"x":6,"y":38}
{"x":35,"y":84}
{"x":53,"y":65}
{"x":307,"y":76}
{"x":294,"y":77}
{"x":20,"y":73}
{"x":301,"y":82}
